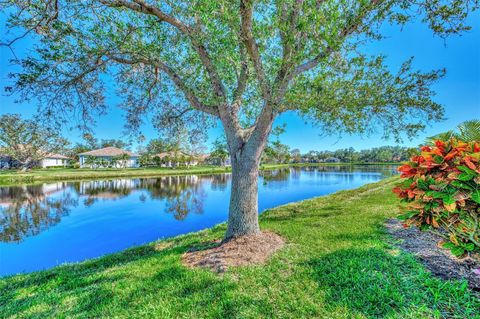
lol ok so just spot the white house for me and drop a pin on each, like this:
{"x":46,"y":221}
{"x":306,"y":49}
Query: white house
{"x":109,"y":154}
{"x":54,"y":160}
{"x":48,"y":161}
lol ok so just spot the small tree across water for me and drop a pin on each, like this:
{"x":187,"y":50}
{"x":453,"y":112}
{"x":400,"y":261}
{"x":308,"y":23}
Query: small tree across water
{"x":242,"y":63}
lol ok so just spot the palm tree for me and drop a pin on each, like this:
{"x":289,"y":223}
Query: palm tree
{"x":467,"y":131}
{"x":91,"y":161}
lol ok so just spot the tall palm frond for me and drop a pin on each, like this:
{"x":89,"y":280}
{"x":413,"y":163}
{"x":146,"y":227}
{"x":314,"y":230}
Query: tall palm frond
{"x":467,"y":131}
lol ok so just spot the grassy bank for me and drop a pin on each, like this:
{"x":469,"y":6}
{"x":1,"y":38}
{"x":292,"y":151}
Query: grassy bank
{"x":337,"y":264}
{"x":10,"y":177}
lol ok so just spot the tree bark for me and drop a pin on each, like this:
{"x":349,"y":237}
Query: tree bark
{"x":243,"y":211}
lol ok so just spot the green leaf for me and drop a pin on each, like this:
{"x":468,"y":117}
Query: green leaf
{"x":448,"y":199}
{"x":466,"y":169}
{"x":476,"y":196}
{"x":465,"y":177}
{"x":423,"y":185}
{"x":435,"y":194}
{"x":457,"y":251}
{"x":438,"y":159}
{"x":408,"y":215}
{"x":460,"y":184}
{"x":469,"y":247}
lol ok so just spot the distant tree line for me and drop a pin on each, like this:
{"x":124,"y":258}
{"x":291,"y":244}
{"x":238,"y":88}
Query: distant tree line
{"x":350,"y":155}
{"x":278,"y":153}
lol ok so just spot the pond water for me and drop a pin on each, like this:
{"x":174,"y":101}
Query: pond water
{"x":44,"y":225}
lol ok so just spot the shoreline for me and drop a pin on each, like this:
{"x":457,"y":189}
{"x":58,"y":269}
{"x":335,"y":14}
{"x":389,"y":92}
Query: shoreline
{"x":13,"y":178}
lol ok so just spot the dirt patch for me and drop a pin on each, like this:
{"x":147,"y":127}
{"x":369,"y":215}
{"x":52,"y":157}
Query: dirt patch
{"x":425,"y":246}
{"x":241,"y":251}
{"x":162,"y":246}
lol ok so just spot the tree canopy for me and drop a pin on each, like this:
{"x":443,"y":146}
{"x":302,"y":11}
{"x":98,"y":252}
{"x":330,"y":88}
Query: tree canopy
{"x":28,"y":141}
{"x":186,"y":61}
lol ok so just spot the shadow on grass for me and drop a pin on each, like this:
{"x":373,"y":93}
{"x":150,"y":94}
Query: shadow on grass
{"x":84,"y":281}
{"x":371,"y":283}
{"x":123,"y":285}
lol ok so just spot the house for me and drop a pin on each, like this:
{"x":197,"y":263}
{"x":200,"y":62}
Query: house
{"x":213,"y":160}
{"x":54,"y":160}
{"x":49,"y":160}
{"x":6,"y":161}
{"x":108,"y":157}
{"x":332,"y":160}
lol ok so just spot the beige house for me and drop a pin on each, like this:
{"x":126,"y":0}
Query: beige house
{"x":108,"y":154}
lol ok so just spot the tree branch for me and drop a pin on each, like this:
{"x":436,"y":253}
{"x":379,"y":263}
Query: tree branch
{"x":349,"y":29}
{"x":246,"y":13}
{"x":142,"y":6}
{"x":241,"y":81}
{"x":176,"y":79}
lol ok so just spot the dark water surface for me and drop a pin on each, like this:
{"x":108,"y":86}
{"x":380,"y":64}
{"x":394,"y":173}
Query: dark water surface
{"x":44,"y":225}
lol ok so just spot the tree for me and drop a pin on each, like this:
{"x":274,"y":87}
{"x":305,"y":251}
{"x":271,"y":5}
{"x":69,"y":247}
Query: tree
{"x":219,"y":151}
{"x":145,"y":160}
{"x":28,"y":141}
{"x":296,"y":155}
{"x":112,"y":143}
{"x":239,"y":62}
{"x":158,"y":145}
{"x":121,"y":160}
{"x":467,"y":131}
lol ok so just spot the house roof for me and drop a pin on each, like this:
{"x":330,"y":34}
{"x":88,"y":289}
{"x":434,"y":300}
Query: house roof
{"x":59,"y":156}
{"x":171,"y":154}
{"x":109,"y":151}
{"x":49,"y":155}
{"x":180,"y":153}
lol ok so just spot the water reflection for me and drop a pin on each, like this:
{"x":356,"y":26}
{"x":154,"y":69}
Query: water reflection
{"x":48,"y":224}
{"x":31,"y":209}
{"x":183,"y":194}
{"x":28,"y":210}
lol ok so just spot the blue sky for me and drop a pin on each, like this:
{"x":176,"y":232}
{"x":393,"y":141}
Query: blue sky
{"x":458,"y":92}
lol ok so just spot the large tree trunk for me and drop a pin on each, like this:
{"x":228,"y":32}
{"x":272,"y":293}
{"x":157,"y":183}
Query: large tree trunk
{"x":243,"y":211}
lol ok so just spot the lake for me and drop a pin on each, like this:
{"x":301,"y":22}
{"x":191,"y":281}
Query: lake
{"x":44,"y":225}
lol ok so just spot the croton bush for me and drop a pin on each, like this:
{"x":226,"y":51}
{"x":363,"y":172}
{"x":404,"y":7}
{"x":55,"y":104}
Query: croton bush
{"x":442,"y":188}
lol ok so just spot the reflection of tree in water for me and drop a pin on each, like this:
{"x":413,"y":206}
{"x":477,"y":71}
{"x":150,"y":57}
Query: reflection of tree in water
{"x":277,"y":175}
{"x":105,"y":189}
{"x":28,"y":210}
{"x":182,"y":194}
{"x":385,"y":170}
{"x":219,"y":182}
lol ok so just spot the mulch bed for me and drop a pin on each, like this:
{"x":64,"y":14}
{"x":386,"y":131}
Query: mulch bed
{"x":425,"y":246}
{"x":241,"y":251}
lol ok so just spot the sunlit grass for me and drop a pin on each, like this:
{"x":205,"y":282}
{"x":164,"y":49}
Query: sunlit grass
{"x":337,"y":263}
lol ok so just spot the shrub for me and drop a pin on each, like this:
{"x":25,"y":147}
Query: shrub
{"x":442,"y":188}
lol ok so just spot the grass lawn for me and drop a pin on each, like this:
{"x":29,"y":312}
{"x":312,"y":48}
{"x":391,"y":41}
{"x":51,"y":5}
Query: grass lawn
{"x":337,"y":263}
{"x":8,"y":177}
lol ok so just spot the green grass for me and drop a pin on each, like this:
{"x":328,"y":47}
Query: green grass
{"x":12,"y":177}
{"x":338,"y":263}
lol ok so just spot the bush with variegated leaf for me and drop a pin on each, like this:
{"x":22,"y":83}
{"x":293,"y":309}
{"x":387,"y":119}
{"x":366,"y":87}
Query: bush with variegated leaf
{"x":442,"y":188}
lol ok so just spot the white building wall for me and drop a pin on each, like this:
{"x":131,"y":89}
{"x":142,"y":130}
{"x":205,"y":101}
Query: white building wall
{"x":132,"y":162}
{"x":48,"y":162}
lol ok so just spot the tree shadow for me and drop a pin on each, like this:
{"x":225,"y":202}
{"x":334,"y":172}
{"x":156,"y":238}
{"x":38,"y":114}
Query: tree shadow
{"x":371,"y":283}
{"x":84,"y":281}
{"x":118,"y":286}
